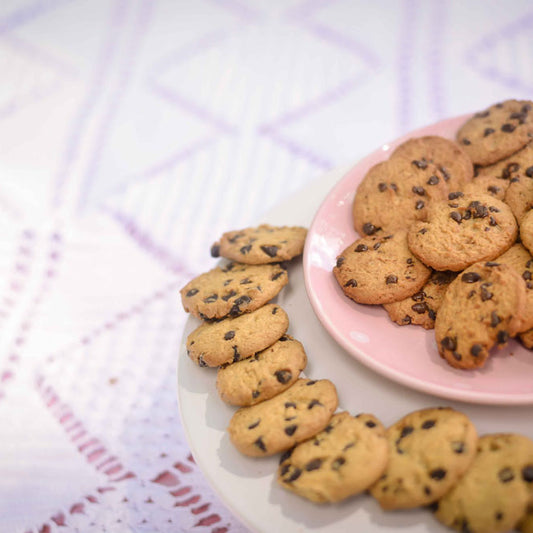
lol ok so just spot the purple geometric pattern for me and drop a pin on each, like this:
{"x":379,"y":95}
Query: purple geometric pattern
{"x":191,"y":118}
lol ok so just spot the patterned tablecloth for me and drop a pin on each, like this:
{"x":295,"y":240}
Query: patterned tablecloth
{"x":132,"y":133}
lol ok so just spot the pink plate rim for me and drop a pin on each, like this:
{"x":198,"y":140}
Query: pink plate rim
{"x":329,"y":233}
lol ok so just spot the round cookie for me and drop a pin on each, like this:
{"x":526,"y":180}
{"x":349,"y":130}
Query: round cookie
{"x":421,"y":308}
{"x":232,"y":290}
{"x":262,"y":244}
{"x":232,"y":339}
{"x":494,"y":493}
{"x":275,"y":425}
{"x":454,"y":164}
{"x":429,"y":451}
{"x":380,"y":269}
{"x":264,"y":375}
{"x":344,"y":459}
{"x":497,"y":132}
{"x":395,"y":193}
{"x":463,"y":230}
{"x":521,"y":261}
{"x":481,"y":309}
{"x":526,"y":231}
{"x":485,"y":184}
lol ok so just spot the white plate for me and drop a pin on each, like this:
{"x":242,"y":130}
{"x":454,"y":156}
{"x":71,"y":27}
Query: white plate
{"x":248,"y":486}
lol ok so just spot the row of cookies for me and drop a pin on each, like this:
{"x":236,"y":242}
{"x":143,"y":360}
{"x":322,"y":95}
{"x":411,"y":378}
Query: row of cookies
{"x":426,"y":216}
{"x":328,"y":456}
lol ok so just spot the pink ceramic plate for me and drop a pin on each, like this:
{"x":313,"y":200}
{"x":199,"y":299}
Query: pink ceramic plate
{"x":405,"y":354}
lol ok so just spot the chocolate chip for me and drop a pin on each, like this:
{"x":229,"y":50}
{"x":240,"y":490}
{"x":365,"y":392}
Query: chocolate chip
{"x":271,"y":251}
{"x":438,"y":474}
{"x":406,"y":320}
{"x":310,"y":383}
{"x":256,"y":394}
{"x":314,"y":464}
{"x":448,"y":343}
{"x":419,"y":308}
{"x":407,"y":430}
{"x":260,"y":444}
{"x":376,"y":246}
{"x":394,"y":187}
{"x":230,"y":294}
{"x":433,"y":180}
{"x":488,"y":131}
{"x":470,"y":277}
{"x":427,"y":491}
{"x":370,"y":424}
{"x":286,"y":455}
{"x":502,"y":337}
{"x":289,"y":430}
{"x":420,"y":163}
{"x":494,"y":319}
{"x":236,"y":354}
{"x":246,"y":281}
{"x":492,"y":221}
{"x":337,"y":463}
{"x":457,"y":356}
{"x":491,"y":264}
{"x":428,"y":424}
{"x":351,"y":283}
{"x":192,"y":292}
{"x":294,"y":476}
{"x":245,"y":249}
{"x":476,"y":349}
{"x":254,"y":424}
{"x":482,"y":114}
{"x":391,"y":279}
{"x":275,"y":310}
{"x":419,"y":205}
{"x":369,"y":229}
{"x":410,"y":261}
{"x":312,"y":403}
{"x":465,"y":141}
{"x":277,"y":275}
{"x":419,"y":190}
{"x":529,"y":172}
{"x":283,"y":376}
{"x":289,"y":405}
{"x":283,"y":338}
{"x":201,"y":361}
{"x":493,"y":190}
{"x":505,"y":475}
{"x":422,"y":231}
{"x":498,"y":515}
{"x":211,"y":298}
{"x":455,"y":195}
{"x":433,"y":507}
{"x":361,"y":248}
{"x":485,"y":294}
{"x":215,"y":250}
{"x":508,"y":128}
{"x":229,"y":335}
{"x":455,"y":215}
{"x":445,"y":173}
{"x":527,"y":473}
{"x":458,"y":447}
{"x":432,"y":314}
{"x":382,"y":187}
{"x":340,"y":261}
{"x":284,"y":469}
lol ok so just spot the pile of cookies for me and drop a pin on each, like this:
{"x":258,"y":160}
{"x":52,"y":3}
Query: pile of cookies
{"x":447,"y":235}
{"x":432,"y":457}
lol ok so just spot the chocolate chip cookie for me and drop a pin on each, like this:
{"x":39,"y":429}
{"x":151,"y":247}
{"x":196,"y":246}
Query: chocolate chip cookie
{"x":232,"y":339}
{"x":275,"y":425}
{"x":262,"y":244}
{"x":344,"y":459}
{"x":263,"y":375}
{"x":429,"y":451}
{"x":232,"y":289}
{"x":380,"y":269}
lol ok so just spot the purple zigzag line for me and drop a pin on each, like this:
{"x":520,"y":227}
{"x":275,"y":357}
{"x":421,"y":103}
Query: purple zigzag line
{"x":303,"y":18}
{"x":489,"y":41}
{"x":146,"y":243}
{"x":24,"y":14}
{"x":141,"y":26}
{"x":74,"y":139}
{"x":170,"y":162}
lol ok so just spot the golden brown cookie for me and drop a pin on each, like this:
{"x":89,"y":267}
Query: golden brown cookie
{"x":263,"y":375}
{"x":454,"y":165}
{"x":421,"y":308}
{"x":261,"y":244}
{"x":232,"y":339}
{"x":344,"y":459}
{"x":481,"y":309}
{"x":380,"y":269}
{"x":463,"y":230}
{"x":275,"y":425}
{"x":493,"y":495}
{"x":497,"y":132}
{"x":232,"y":289}
{"x":429,"y":451}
